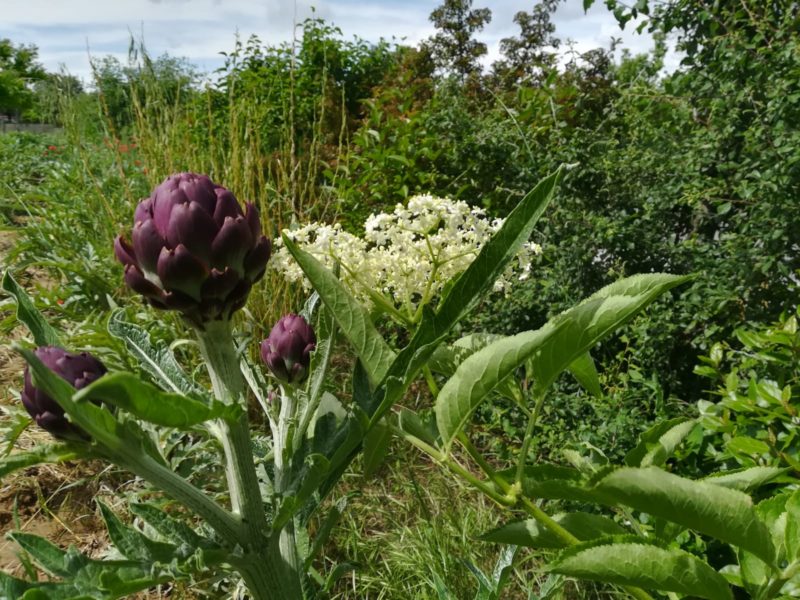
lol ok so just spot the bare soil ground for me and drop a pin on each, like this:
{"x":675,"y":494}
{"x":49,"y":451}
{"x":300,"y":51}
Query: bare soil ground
{"x":54,"y":501}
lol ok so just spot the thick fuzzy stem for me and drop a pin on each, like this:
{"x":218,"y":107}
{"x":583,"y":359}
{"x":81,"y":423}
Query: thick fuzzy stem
{"x":271,"y":570}
{"x":225,"y":524}
{"x":216,"y":343}
{"x":272,"y":576}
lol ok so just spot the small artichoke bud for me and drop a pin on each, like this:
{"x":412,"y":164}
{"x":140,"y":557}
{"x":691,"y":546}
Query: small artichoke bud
{"x":287,"y":350}
{"x":79,"y":370}
{"x":193,"y":249}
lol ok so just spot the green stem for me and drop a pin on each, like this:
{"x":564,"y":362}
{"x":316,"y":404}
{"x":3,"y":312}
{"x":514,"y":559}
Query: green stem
{"x":271,"y":570}
{"x":426,"y":370}
{"x":269,"y":575}
{"x":217,"y":347}
{"x":570,"y":540}
{"x":528,"y":439}
{"x":482,"y":463}
{"x":453,"y":466}
{"x":224,"y":523}
{"x":509,"y":499}
{"x":284,"y":439}
{"x":774,"y":587}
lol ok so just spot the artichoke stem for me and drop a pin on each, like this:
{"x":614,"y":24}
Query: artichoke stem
{"x":217,"y":346}
{"x":272,"y":571}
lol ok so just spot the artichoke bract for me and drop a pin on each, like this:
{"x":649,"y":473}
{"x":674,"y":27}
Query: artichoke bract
{"x":287,"y":350}
{"x":79,"y":370}
{"x":193,"y":249}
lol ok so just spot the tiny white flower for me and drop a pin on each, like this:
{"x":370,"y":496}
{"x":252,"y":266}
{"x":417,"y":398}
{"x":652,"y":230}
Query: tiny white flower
{"x":408,"y":254}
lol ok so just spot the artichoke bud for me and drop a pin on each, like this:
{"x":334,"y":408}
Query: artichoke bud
{"x":193,"y":249}
{"x":287,"y":350}
{"x":79,"y":370}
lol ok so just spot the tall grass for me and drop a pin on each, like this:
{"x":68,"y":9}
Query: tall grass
{"x":242,"y":132}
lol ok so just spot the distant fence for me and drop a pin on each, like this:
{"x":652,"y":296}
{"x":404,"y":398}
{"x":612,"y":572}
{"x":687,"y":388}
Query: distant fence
{"x":7,"y":126}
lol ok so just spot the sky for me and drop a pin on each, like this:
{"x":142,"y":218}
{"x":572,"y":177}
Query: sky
{"x":67,"y":32}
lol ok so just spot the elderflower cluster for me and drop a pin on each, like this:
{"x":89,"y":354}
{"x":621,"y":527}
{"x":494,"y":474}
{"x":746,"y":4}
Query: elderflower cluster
{"x":406,"y":256}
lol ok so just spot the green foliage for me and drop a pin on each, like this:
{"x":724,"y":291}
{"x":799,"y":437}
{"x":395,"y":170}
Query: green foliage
{"x":752,"y":418}
{"x":630,"y":561}
{"x":550,"y":349}
{"x":18,"y":68}
{"x":694,"y":171}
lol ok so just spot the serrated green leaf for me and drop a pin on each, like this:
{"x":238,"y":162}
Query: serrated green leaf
{"x":792,"y":539}
{"x":552,"y":482}
{"x":531,"y":534}
{"x":43,"y":334}
{"x":754,"y":571}
{"x":667,"y":443}
{"x":725,"y":514}
{"x":748,"y":446}
{"x":650,"y":438}
{"x":155,"y":357}
{"x":352,"y":318}
{"x":376,"y":447}
{"x":585,"y":371}
{"x":630,"y":561}
{"x":549,"y":350}
{"x":746,"y":480}
{"x":410,"y":422}
{"x":445,"y":361}
{"x":147,"y":402}
{"x":596,"y":317}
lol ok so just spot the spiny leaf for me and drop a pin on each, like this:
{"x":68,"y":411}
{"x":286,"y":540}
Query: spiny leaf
{"x":47,"y":555}
{"x":155,"y":357}
{"x":54,"y":453}
{"x":133,"y":544}
{"x":650,"y":438}
{"x":171,"y":528}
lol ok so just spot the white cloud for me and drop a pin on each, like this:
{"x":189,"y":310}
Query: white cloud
{"x":200,"y":29}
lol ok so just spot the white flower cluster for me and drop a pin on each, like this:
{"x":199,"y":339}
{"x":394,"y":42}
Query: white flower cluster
{"x":406,"y":256}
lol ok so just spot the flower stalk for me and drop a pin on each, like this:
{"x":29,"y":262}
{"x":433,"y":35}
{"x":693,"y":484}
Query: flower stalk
{"x":276,"y":573}
{"x":217,"y":347}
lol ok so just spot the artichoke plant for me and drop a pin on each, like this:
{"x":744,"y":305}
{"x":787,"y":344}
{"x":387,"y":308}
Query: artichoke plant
{"x":193,"y":249}
{"x":79,"y":370}
{"x":287,"y":350}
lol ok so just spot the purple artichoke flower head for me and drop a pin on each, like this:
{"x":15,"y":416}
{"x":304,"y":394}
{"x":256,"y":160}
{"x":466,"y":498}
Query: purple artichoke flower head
{"x":287,"y":350}
{"x":79,"y":370}
{"x":193,"y":249}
